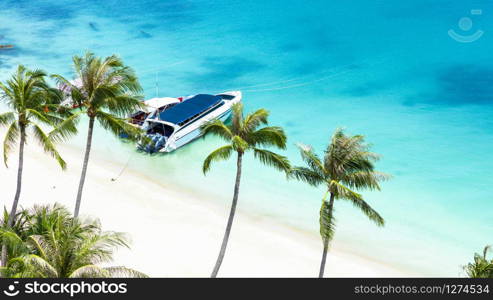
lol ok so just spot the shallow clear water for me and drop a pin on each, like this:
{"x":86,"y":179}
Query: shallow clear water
{"x":384,"y":69}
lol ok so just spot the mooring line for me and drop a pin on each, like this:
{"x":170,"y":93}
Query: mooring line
{"x":124,"y":168}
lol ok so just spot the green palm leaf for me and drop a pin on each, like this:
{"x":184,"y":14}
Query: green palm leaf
{"x":117,"y":126}
{"x":217,"y":127}
{"x":47,"y":144}
{"x":366,"y":179}
{"x":89,"y":271}
{"x":66,"y":129}
{"x":39,"y":267}
{"x":10,"y":139}
{"x":357,"y":200}
{"x":124,"y":272}
{"x":7,"y":118}
{"x":237,"y":119}
{"x":255,"y":119}
{"x":307,"y":175}
{"x":311,"y":159}
{"x":222,"y":153}
{"x":269,"y":137}
{"x":272,"y":159}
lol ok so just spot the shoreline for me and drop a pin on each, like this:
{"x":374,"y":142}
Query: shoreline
{"x":181,"y":230}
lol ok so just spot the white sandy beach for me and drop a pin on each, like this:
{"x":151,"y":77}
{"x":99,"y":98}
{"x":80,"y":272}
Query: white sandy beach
{"x":176,"y":233}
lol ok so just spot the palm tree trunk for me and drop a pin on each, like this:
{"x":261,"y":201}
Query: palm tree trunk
{"x":13,"y":210}
{"x":230,"y":219}
{"x":324,"y":258}
{"x":326,"y":241}
{"x":84,"y":167}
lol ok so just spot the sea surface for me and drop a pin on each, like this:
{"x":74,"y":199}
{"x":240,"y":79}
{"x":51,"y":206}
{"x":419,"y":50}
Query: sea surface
{"x":386,"y":69}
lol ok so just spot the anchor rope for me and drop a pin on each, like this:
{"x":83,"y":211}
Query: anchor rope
{"x":124,"y":167}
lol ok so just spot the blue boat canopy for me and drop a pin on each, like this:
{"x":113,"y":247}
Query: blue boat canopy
{"x":189,"y":108}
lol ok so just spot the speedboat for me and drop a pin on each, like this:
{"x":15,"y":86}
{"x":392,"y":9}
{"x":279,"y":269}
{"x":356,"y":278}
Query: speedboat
{"x":179,"y":125}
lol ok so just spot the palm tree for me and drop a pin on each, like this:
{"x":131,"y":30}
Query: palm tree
{"x":481,"y":267}
{"x":32,"y":104}
{"x":108,"y":90}
{"x":347,"y":166}
{"x":52,"y":244}
{"x":243,"y":135}
{"x":28,"y":222}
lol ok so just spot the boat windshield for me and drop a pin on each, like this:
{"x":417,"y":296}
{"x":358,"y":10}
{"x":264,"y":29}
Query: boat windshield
{"x":160,"y":128}
{"x":226,"y":97}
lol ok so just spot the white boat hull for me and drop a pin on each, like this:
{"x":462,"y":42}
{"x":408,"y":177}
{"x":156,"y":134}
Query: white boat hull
{"x":188,"y":132}
{"x":189,"y":137}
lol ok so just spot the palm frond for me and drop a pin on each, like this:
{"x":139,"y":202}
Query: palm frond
{"x":47,"y":144}
{"x":11,"y":238}
{"x":37,"y":241}
{"x":311,"y":159}
{"x":6,"y":118}
{"x":7,"y":94}
{"x":66,"y":129}
{"x":118,"y":126}
{"x":342,"y":192}
{"x":123,"y":104}
{"x":269,"y":136}
{"x":272,"y":159}
{"x":43,"y":268}
{"x":487,"y":249}
{"x":217,"y":127}
{"x":62,"y":81}
{"x":10,"y":138}
{"x":42,"y":117}
{"x":365,"y":179}
{"x":98,"y":248}
{"x":237,"y":118}
{"x":90,"y":271}
{"x":307,"y":175}
{"x":124,"y":272}
{"x":254,"y":120}
{"x":222,"y":153}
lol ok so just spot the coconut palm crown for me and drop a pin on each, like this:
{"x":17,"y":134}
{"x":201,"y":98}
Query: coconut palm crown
{"x":347,"y":166}
{"x":49,"y":243}
{"x":105,"y":90}
{"x":482,"y":267}
{"x":243,"y":135}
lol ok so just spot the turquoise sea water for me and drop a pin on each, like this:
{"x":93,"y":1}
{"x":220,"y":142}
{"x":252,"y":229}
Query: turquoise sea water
{"x":385,"y":69}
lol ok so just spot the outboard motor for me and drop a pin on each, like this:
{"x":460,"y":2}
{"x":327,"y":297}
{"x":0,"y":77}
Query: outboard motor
{"x":155,"y":142}
{"x":160,"y":142}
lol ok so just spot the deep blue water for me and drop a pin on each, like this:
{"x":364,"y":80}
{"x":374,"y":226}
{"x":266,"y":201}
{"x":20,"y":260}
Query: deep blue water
{"x":385,"y":69}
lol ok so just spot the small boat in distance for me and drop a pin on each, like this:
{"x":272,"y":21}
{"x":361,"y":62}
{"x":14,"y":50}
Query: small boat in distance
{"x":6,"y":46}
{"x":179,"y":125}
